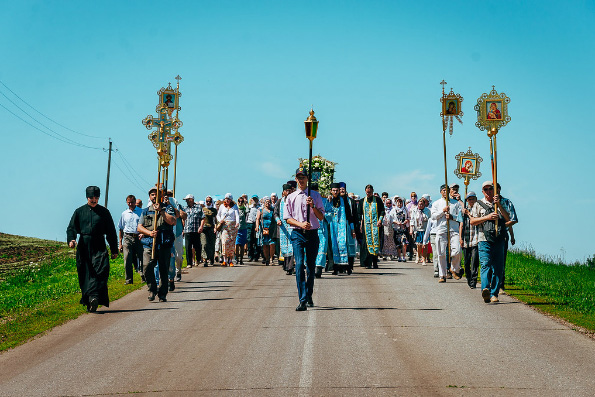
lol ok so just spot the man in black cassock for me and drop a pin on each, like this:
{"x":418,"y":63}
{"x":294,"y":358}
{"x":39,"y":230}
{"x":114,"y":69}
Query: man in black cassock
{"x":94,"y":224}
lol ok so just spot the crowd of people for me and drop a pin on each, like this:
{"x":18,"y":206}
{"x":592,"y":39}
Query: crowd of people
{"x":301,"y":231}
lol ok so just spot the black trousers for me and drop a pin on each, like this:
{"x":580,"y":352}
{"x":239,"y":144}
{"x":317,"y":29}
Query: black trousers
{"x":471,"y":259}
{"x":192,"y":240}
{"x":253,"y":251}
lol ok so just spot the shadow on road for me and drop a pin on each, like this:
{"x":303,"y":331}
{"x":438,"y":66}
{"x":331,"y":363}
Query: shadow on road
{"x":368,"y":308}
{"x":108,"y":311}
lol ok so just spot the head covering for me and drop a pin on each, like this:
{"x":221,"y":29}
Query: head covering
{"x":228,"y":196}
{"x":453,"y":185}
{"x":342,"y":184}
{"x":335,"y":185}
{"x":301,"y":171}
{"x":169,"y":191}
{"x":255,"y":196}
{"x":201,"y":202}
{"x":273,"y":194}
{"x":92,"y":191}
{"x":207,"y":204}
{"x":293,"y":184}
{"x":265,"y":198}
{"x":487,"y":183}
{"x":442,"y":187}
{"x":471,"y":194}
{"x":426,"y":196}
{"x":189,"y":196}
{"x":286,"y":186}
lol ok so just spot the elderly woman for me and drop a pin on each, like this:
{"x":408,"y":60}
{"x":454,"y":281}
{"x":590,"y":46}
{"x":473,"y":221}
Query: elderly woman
{"x":389,"y":249}
{"x":399,"y":218}
{"x":229,"y":218}
{"x":264,"y":227}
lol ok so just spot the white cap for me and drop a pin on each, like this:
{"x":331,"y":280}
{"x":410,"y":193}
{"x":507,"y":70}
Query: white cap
{"x":273,"y":194}
{"x":189,"y":196}
{"x":228,"y":196}
{"x":487,"y":183}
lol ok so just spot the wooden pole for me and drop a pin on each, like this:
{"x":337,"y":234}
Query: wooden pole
{"x":109,"y":163}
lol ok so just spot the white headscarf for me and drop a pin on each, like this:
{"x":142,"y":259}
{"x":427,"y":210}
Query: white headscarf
{"x":212,"y":205}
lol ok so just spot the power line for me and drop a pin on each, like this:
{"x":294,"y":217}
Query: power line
{"x":130,"y":167}
{"x":64,"y":139}
{"x":53,"y":121}
{"x":134,"y":182}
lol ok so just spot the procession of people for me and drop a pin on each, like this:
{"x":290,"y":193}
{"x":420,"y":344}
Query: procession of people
{"x":304,"y":234}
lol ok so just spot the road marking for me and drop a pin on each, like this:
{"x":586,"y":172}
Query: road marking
{"x":307,"y":356}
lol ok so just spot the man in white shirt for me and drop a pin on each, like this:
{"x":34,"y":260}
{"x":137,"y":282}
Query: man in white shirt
{"x":445,"y":214}
{"x":129,"y":242}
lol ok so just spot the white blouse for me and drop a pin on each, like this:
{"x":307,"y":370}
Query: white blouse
{"x":228,"y":214}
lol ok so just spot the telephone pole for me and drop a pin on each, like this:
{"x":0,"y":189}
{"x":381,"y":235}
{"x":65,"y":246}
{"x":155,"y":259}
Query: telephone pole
{"x":109,"y":163}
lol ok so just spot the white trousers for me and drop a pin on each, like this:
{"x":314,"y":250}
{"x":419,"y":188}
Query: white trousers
{"x":455,"y":252}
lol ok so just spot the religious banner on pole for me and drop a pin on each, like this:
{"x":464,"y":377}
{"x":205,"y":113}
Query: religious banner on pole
{"x":492,"y":114}
{"x":165,"y":133}
{"x":468,"y":167}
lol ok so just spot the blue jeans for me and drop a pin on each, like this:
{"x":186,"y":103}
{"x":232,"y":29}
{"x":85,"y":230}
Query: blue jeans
{"x":491,"y":258}
{"x":305,"y":241}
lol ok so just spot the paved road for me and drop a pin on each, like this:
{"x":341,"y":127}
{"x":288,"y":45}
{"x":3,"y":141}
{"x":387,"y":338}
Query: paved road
{"x":234,"y":331}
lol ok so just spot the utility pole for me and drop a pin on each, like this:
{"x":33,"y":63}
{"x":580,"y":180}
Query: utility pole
{"x":109,"y":163}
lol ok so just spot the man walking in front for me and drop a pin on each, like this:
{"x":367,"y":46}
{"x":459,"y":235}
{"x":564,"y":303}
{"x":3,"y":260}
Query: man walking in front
{"x":491,"y":240}
{"x":304,"y":236}
{"x":94,"y":224}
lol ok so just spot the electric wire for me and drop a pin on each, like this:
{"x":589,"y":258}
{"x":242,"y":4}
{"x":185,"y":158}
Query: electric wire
{"x":53,"y":121}
{"x":50,"y":135}
{"x":134,"y":182}
{"x":130,"y":167}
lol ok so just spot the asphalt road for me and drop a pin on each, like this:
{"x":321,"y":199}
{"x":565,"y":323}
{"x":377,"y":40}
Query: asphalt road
{"x":235,"y":331}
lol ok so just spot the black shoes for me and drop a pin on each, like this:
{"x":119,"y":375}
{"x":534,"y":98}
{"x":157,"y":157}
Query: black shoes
{"x":310,"y":303}
{"x":301,"y":307}
{"x":318,"y":273}
{"x":151,"y":296}
{"x":93,"y":303}
{"x":172,"y":286}
{"x":162,"y":299}
{"x":335,"y":272}
{"x":349,"y":271}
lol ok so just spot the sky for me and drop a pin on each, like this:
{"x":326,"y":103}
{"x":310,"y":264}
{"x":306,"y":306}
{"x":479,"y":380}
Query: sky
{"x":75,"y":74}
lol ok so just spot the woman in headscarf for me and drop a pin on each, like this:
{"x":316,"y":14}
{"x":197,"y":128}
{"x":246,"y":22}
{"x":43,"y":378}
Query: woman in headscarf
{"x":399,"y":220}
{"x":229,"y":217}
{"x":263,"y":229}
{"x":242,"y":237}
{"x":389,"y":249}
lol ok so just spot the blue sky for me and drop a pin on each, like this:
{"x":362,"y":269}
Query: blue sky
{"x":250,"y":71}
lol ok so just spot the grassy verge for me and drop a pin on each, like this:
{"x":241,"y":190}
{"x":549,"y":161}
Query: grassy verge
{"x":40,"y":296}
{"x":565,"y":291}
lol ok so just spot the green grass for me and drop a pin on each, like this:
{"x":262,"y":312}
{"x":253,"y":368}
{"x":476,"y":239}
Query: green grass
{"x":566,"y":291}
{"x":38,"y":297}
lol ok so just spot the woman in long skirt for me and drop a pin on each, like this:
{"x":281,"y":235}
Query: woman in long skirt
{"x":229,"y":217}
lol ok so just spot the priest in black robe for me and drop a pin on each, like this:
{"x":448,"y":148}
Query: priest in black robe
{"x":94,"y":224}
